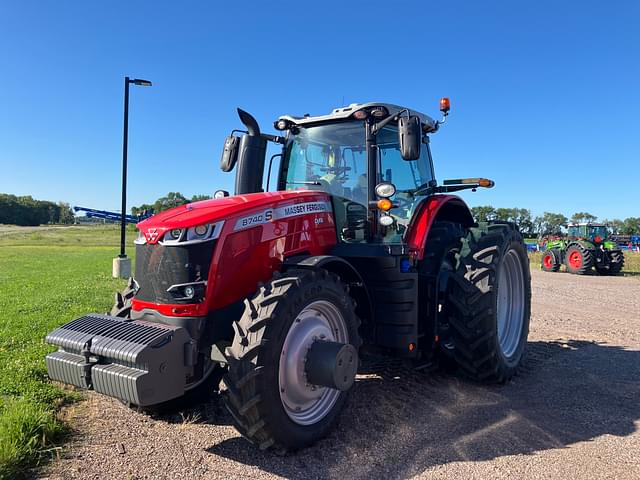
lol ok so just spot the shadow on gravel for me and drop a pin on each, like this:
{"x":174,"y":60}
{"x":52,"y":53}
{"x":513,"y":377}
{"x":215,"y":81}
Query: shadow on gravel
{"x":400,"y":422}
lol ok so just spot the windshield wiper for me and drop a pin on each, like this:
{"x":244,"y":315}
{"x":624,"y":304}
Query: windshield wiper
{"x":424,"y":189}
{"x":451,"y":186}
{"x":306,"y":183}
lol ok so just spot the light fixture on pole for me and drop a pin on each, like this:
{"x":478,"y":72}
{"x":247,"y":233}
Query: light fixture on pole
{"x":122,"y":268}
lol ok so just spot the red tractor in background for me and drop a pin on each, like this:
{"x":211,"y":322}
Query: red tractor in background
{"x":278,"y":293}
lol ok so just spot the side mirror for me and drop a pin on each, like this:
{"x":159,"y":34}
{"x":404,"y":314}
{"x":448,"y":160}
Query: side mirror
{"x":410,"y":137}
{"x":229,"y":153}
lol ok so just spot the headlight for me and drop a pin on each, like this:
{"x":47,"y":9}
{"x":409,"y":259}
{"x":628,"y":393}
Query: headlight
{"x":386,"y":220}
{"x":197,"y":234}
{"x":385,"y":190}
{"x":189,"y":291}
{"x":379,"y":112}
{"x":193,"y":292}
{"x":281,"y":124}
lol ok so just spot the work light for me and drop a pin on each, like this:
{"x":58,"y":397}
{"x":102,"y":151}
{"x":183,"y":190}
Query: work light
{"x":385,"y":190}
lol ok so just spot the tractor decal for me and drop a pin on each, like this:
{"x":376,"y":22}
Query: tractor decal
{"x":281,"y":213}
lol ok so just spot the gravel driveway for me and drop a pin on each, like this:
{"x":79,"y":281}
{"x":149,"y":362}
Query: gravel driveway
{"x":572,"y":412}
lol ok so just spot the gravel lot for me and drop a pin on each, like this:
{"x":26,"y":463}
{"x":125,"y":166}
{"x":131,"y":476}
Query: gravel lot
{"x":572,"y":412}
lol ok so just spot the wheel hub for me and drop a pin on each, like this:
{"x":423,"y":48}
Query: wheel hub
{"x":332,"y":364}
{"x":575,"y":259}
{"x":304,"y":402}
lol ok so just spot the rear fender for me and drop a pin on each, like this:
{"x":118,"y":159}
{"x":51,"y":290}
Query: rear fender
{"x":584,"y":244}
{"x":436,"y":207}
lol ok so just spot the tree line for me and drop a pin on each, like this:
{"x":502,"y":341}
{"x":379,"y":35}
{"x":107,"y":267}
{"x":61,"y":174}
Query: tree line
{"x":26,"y":211}
{"x":170,"y":200}
{"x":550,"y":223}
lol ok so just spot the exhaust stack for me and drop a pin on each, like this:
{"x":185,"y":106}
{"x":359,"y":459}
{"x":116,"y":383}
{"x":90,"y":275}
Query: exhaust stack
{"x":251,"y":156}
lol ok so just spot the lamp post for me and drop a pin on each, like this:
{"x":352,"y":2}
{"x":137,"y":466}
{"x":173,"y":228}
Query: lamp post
{"x":122,"y":265}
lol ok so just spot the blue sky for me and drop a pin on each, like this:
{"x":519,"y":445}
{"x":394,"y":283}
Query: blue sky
{"x":545,"y":95}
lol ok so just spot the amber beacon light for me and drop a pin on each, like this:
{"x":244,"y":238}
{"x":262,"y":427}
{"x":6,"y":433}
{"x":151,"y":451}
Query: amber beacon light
{"x":445,"y":105}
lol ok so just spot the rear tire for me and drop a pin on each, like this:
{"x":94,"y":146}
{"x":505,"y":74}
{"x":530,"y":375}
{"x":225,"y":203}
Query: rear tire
{"x":261,"y":394}
{"x":551,"y":260}
{"x":489,"y":302}
{"x":616,"y":262}
{"x":442,"y":242}
{"x":443,"y":236}
{"x":579,"y":260}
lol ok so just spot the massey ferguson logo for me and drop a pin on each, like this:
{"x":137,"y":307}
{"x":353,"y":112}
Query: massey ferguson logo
{"x":151,"y":235}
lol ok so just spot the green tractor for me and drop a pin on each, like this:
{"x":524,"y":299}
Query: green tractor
{"x":585,"y":247}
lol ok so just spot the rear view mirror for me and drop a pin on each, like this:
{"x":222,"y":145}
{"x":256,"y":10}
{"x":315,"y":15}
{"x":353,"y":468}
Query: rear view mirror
{"x":229,"y":153}
{"x":409,"y":137}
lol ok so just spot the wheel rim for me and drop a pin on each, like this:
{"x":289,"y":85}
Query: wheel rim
{"x":510,"y":303}
{"x":575,"y":259}
{"x":547,"y":261}
{"x":307,"y":404}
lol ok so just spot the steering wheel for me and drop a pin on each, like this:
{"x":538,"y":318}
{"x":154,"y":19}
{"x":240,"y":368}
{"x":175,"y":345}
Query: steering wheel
{"x":320,"y":184}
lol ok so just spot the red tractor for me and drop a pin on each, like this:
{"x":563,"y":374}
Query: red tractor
{"x":279,"y":293}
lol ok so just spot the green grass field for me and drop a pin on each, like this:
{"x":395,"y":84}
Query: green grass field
{"x":49,"y":276}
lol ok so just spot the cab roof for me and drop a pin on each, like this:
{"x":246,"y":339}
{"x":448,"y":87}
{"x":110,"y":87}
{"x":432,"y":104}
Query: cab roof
{"x":345,"y":112}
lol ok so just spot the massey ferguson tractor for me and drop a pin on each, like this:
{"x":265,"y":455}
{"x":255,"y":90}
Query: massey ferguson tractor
{"x":279,"y":293}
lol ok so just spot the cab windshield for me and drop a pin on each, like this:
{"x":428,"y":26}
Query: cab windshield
{"x":600,"y":231}
{"x":588,"y":231}
{"x":333,"y":158}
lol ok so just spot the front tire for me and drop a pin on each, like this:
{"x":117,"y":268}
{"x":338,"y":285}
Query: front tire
{"x":551,"y":260}
{"x":122,"y":303}
{"x":489,"y":302}
{"x":267,"y":393}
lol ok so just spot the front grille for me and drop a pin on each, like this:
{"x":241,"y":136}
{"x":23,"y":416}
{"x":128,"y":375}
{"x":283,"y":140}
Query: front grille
{"x":158,"y":267}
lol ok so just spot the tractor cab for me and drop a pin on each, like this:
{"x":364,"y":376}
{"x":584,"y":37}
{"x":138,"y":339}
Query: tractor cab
{"x":595,"y":232}
{"x":374,"y":188}
{"x":373,"y":159}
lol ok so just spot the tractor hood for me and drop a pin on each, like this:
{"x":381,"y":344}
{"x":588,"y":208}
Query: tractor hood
{"x":214,"y":210}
